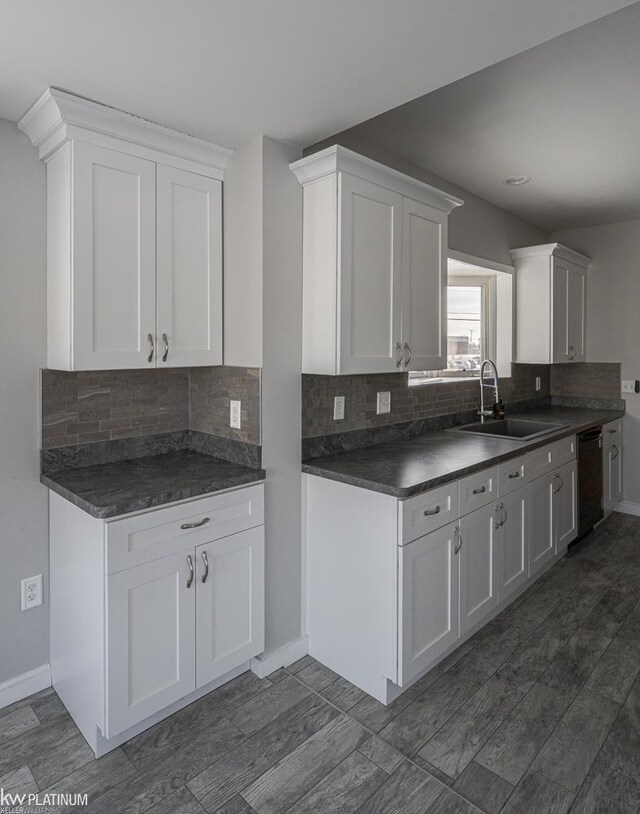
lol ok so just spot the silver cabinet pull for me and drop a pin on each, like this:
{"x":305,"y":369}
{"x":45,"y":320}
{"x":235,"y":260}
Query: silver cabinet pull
{"x":429,"y":512}
{"x":197,"y":525}
{"x":408,"y":349}
{"x":166,"y":347}
{"x":479,"y":490}
{"x":572,"y":353}
{"x":152,"y":347}
{"x":613,"y":446}
{"x":457,"y":535}
{"x":557,"y":477}
{"x":498,"y":512}
{"x":514,"y":474}
{"x":190,"y":564}
{"x":399,"y":360}
{"x":505,"y":515}
{"x":612,"y":431}
{"x":205,"y":560}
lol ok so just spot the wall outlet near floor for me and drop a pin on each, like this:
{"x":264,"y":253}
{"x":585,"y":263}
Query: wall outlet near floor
{"x":31,"y":592}
{"x":338,"y":408}
{"x":383,"y":404}
{"x":538,"y":383}
{"x":235,"y":414}
{"x":628,"y":386}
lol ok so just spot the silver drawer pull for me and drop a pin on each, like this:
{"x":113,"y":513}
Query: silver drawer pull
{"x":479,"y":490}
{"x":612,"y":431}
{"x":190,"y":564}
{"x":514,"y":474}
{"x":429,"y":512}
{"x":197,"y":525}
{"x":205,"y":560}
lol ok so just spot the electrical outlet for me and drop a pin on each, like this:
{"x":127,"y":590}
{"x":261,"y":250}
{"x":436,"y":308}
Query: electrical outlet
{"x":338,"y":408}
{"x":31,"y":592}
{"x":628,"y":386}
{"x":538,"y":383}
{"x":383,"y":404}
{"x":235,"y":414}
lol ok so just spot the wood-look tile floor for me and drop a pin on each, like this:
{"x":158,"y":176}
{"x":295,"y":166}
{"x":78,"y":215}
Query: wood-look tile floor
{"x":539,"y":713}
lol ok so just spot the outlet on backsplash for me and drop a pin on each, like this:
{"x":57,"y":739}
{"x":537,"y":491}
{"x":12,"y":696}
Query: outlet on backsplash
{"x":338,"y":408}
{"x":383,"y":403}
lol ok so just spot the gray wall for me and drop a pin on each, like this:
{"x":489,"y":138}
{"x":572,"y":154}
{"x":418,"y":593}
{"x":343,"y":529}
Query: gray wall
{"x":613,"y":326}
{"x":478,"y":228}
{"x":24,"y":637}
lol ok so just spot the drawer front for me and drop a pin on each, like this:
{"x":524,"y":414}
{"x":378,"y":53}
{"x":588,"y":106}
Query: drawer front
{"x":477,"y":490}
{"x":424,"y":513}
{"x":611,"y":431}
{"x":512,"y":475}
{"x":149,"y":536}
{"x":540,"y":461}
{"x":565,"y":450}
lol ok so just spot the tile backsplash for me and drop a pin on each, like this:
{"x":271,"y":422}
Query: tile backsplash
{"x":589,"y":380}
{"x":91,"y":406}
{"x":408,"y":403}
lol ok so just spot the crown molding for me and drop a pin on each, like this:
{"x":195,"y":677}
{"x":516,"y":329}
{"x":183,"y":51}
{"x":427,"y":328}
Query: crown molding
{"x":551,"y":250}
{"x":58,"y":117}
{"x":339,"y":159}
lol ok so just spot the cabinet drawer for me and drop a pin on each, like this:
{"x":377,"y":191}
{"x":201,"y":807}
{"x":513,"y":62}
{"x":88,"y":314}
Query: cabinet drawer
{"x":424,"y":513}
{"x":149,"y":536}
{"x":477,"y":490}
{"x":540,"y":461}
{"x":512,"y":475}
{"x":611,"y":431}
{"x":564,"y":450}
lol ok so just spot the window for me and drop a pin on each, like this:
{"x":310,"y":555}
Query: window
{"x":466,"y":323}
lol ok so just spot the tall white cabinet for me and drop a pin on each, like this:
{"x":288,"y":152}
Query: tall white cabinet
{"x":134,"y":236}
{"x":551,"y":285}
{"x":374,"y":266}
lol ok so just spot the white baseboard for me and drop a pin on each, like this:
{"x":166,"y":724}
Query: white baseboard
{"x":268,"y":663}
{"x":15,"y":689}
{"x":627,"y":507}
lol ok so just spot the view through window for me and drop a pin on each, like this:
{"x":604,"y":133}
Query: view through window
{"x":465,"y":329}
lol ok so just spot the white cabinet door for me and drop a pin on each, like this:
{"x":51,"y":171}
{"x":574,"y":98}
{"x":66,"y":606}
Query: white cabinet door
{"x":189,"y":268}
{"x":424,"y":286}
{"x":565,"y":506}
{"x":370,"y":277}
{"x":576,"y":284}
{"x":478,"y":566}
{"x":612,"y":475}
{"x":113,"y":256}
{"x":428,"y":600}
{"x":560,"y":311}
{"x":229,"y":603}
{"x":150,"y":651}
{"x":542,"y":547}
{"x":513,"y":543}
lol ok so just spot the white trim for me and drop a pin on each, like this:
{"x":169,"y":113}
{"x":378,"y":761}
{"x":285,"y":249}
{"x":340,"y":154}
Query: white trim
{"x":15,"y":689}
{"x":267,"y":663}
{"x":461,"y":257}
{"x":58,"y":116}
{"x":338,"y":159}
{"x":627,"y":507}
{"x":552,"y":249}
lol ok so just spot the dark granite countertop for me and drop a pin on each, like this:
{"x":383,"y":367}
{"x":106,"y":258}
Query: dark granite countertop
{"x":112,"y":489}
{"x":408,"y":467}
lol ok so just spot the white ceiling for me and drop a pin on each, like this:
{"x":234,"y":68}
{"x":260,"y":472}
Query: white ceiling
{"x":567,"y":113}
{"x":292,"y":69}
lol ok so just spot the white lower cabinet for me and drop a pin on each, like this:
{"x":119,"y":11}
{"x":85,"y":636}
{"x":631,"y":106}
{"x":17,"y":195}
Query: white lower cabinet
{"x":382,"y":628}
{"x":170,"y":603}
{"x":513,"y":543}
{"x":478,"y":564}
{"x":428,"y":598}
{"x":612,"y":475}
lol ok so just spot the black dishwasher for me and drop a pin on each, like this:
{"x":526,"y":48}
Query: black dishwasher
{"x":590,"y":509}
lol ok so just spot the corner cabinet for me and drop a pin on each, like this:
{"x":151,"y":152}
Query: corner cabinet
{"x":551,"y":291}
{"x":134,"y":239}
{"x":612,"y":459}
{"x":374,"y":266}
{"x":151,"y":611}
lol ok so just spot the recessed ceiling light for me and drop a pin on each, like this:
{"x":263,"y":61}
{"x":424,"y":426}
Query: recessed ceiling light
{"x":517,"y":180}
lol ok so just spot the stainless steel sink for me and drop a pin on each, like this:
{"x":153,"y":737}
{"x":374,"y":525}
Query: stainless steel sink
{"x":517,"y":429}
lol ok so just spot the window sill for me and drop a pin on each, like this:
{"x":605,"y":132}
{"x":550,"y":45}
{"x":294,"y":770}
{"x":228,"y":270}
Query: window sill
{"x":419,"y":381}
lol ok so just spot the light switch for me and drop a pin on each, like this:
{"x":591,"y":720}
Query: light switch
{"x":235,"y":414}
{"x":338,"y":408}
{"x":383,"y":404}
{"x":628,"y":386}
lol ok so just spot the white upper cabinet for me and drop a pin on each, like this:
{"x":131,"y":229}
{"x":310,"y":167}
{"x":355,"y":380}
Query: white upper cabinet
{"x":134,"y":234}
{"x":551,"y":282}
{"x":374,"y":267}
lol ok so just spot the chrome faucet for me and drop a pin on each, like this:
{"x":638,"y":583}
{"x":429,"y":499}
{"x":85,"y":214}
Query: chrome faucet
{"x":483,"y":412}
